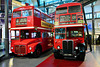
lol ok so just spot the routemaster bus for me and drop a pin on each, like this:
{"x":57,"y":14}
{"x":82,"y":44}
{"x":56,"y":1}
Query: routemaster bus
{"x":31,"y":31}
{"x":69,"y":32}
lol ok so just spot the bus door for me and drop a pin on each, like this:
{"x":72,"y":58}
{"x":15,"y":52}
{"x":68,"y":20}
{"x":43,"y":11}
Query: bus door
{"x":45,"y":40}
{"x":50,"y":39}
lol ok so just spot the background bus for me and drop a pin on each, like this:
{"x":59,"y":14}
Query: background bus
{"x":69,"y":31}
{"x":31,"y":31}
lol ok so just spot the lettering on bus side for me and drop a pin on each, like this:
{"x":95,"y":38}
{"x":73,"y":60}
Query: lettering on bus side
{"x":45,"y":24}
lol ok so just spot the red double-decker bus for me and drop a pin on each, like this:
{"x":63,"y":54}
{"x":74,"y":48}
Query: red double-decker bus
{"x":31,"y":31}
{"x":69,"y":32}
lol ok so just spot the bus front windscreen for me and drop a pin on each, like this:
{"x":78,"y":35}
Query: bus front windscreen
{"x":60,"y":33}
{"x":74,"y":9}
{"x":76,"y":34}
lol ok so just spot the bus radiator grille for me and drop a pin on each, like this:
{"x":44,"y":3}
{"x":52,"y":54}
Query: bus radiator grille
{"x":67,"y":47}
{"x":20,"y":49}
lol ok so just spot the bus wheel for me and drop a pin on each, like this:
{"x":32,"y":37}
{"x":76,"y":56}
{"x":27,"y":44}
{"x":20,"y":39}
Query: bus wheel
{"x":58,"y":56}
{"x":37,"y":51}
{"x":11,"y":54}
{"x":81,"y":57}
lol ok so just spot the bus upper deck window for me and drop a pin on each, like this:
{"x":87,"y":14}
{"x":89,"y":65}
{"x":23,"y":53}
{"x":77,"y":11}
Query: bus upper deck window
{"x":26,"y":13}
{"x":37,"y":13}
{"x":62,"y":10}
{"x":74,"y":9}
{"x":16,"y":14}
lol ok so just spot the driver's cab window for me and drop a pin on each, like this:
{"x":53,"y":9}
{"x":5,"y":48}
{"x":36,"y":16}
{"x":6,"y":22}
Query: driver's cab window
{"x":24,"y":34}
{"x":15,"y":34}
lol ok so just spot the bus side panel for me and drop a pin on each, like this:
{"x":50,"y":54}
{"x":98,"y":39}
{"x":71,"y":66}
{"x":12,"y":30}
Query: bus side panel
{"x":44,"y":43}
{"x":33,"y":45}
{"x":13,"y":23}
{"x":37,"y":22}
{"x":30,"y":21}
{"x":12,"y":44}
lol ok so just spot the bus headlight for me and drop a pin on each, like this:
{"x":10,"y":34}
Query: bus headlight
{"x":55,"y":41}
{"x":30,"y":48}
{"x":58,"y":47}
{"x":76,"y":48}
{"x":11,"y":47}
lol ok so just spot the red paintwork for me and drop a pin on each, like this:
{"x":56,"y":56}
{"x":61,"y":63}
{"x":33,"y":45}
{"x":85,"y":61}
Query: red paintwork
{"x":58,"y":42}
{"x":23,"y":8}
{"x":27,"y":41}
{"x":67,"y":5}
{"x":76,"y":40}
{"x":32,"y":22}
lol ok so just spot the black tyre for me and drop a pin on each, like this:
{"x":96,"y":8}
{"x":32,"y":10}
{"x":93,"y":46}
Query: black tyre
{"x":38,"y":51}
{"x":81,"y":57}
{"x":11,"y":54}
{"x":58,"y":56}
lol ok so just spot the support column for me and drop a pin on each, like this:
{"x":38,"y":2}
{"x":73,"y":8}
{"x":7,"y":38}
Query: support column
{"x":47,"y":10}
{"x":44,"y":5}
{"x":93,"y":30}
{"x":38,"y":1}
{"x":6,"y":29}
{"x":88,"y":37}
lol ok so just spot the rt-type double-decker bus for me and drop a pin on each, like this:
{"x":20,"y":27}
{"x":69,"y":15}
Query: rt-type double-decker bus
{"x":69,"y":32}
{"x":31,"y":31}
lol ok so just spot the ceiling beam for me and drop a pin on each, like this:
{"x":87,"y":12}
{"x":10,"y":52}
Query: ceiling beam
{"x":84,"y":2}
{"x":88,"y":2}
{"x":55,"y":3}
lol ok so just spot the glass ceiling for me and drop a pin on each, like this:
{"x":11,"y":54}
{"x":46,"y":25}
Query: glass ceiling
{"x":50,"y":5}
{"x":48,"y":2}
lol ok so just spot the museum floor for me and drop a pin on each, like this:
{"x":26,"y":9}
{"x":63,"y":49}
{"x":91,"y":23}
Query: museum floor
{"x":47,"y":59}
